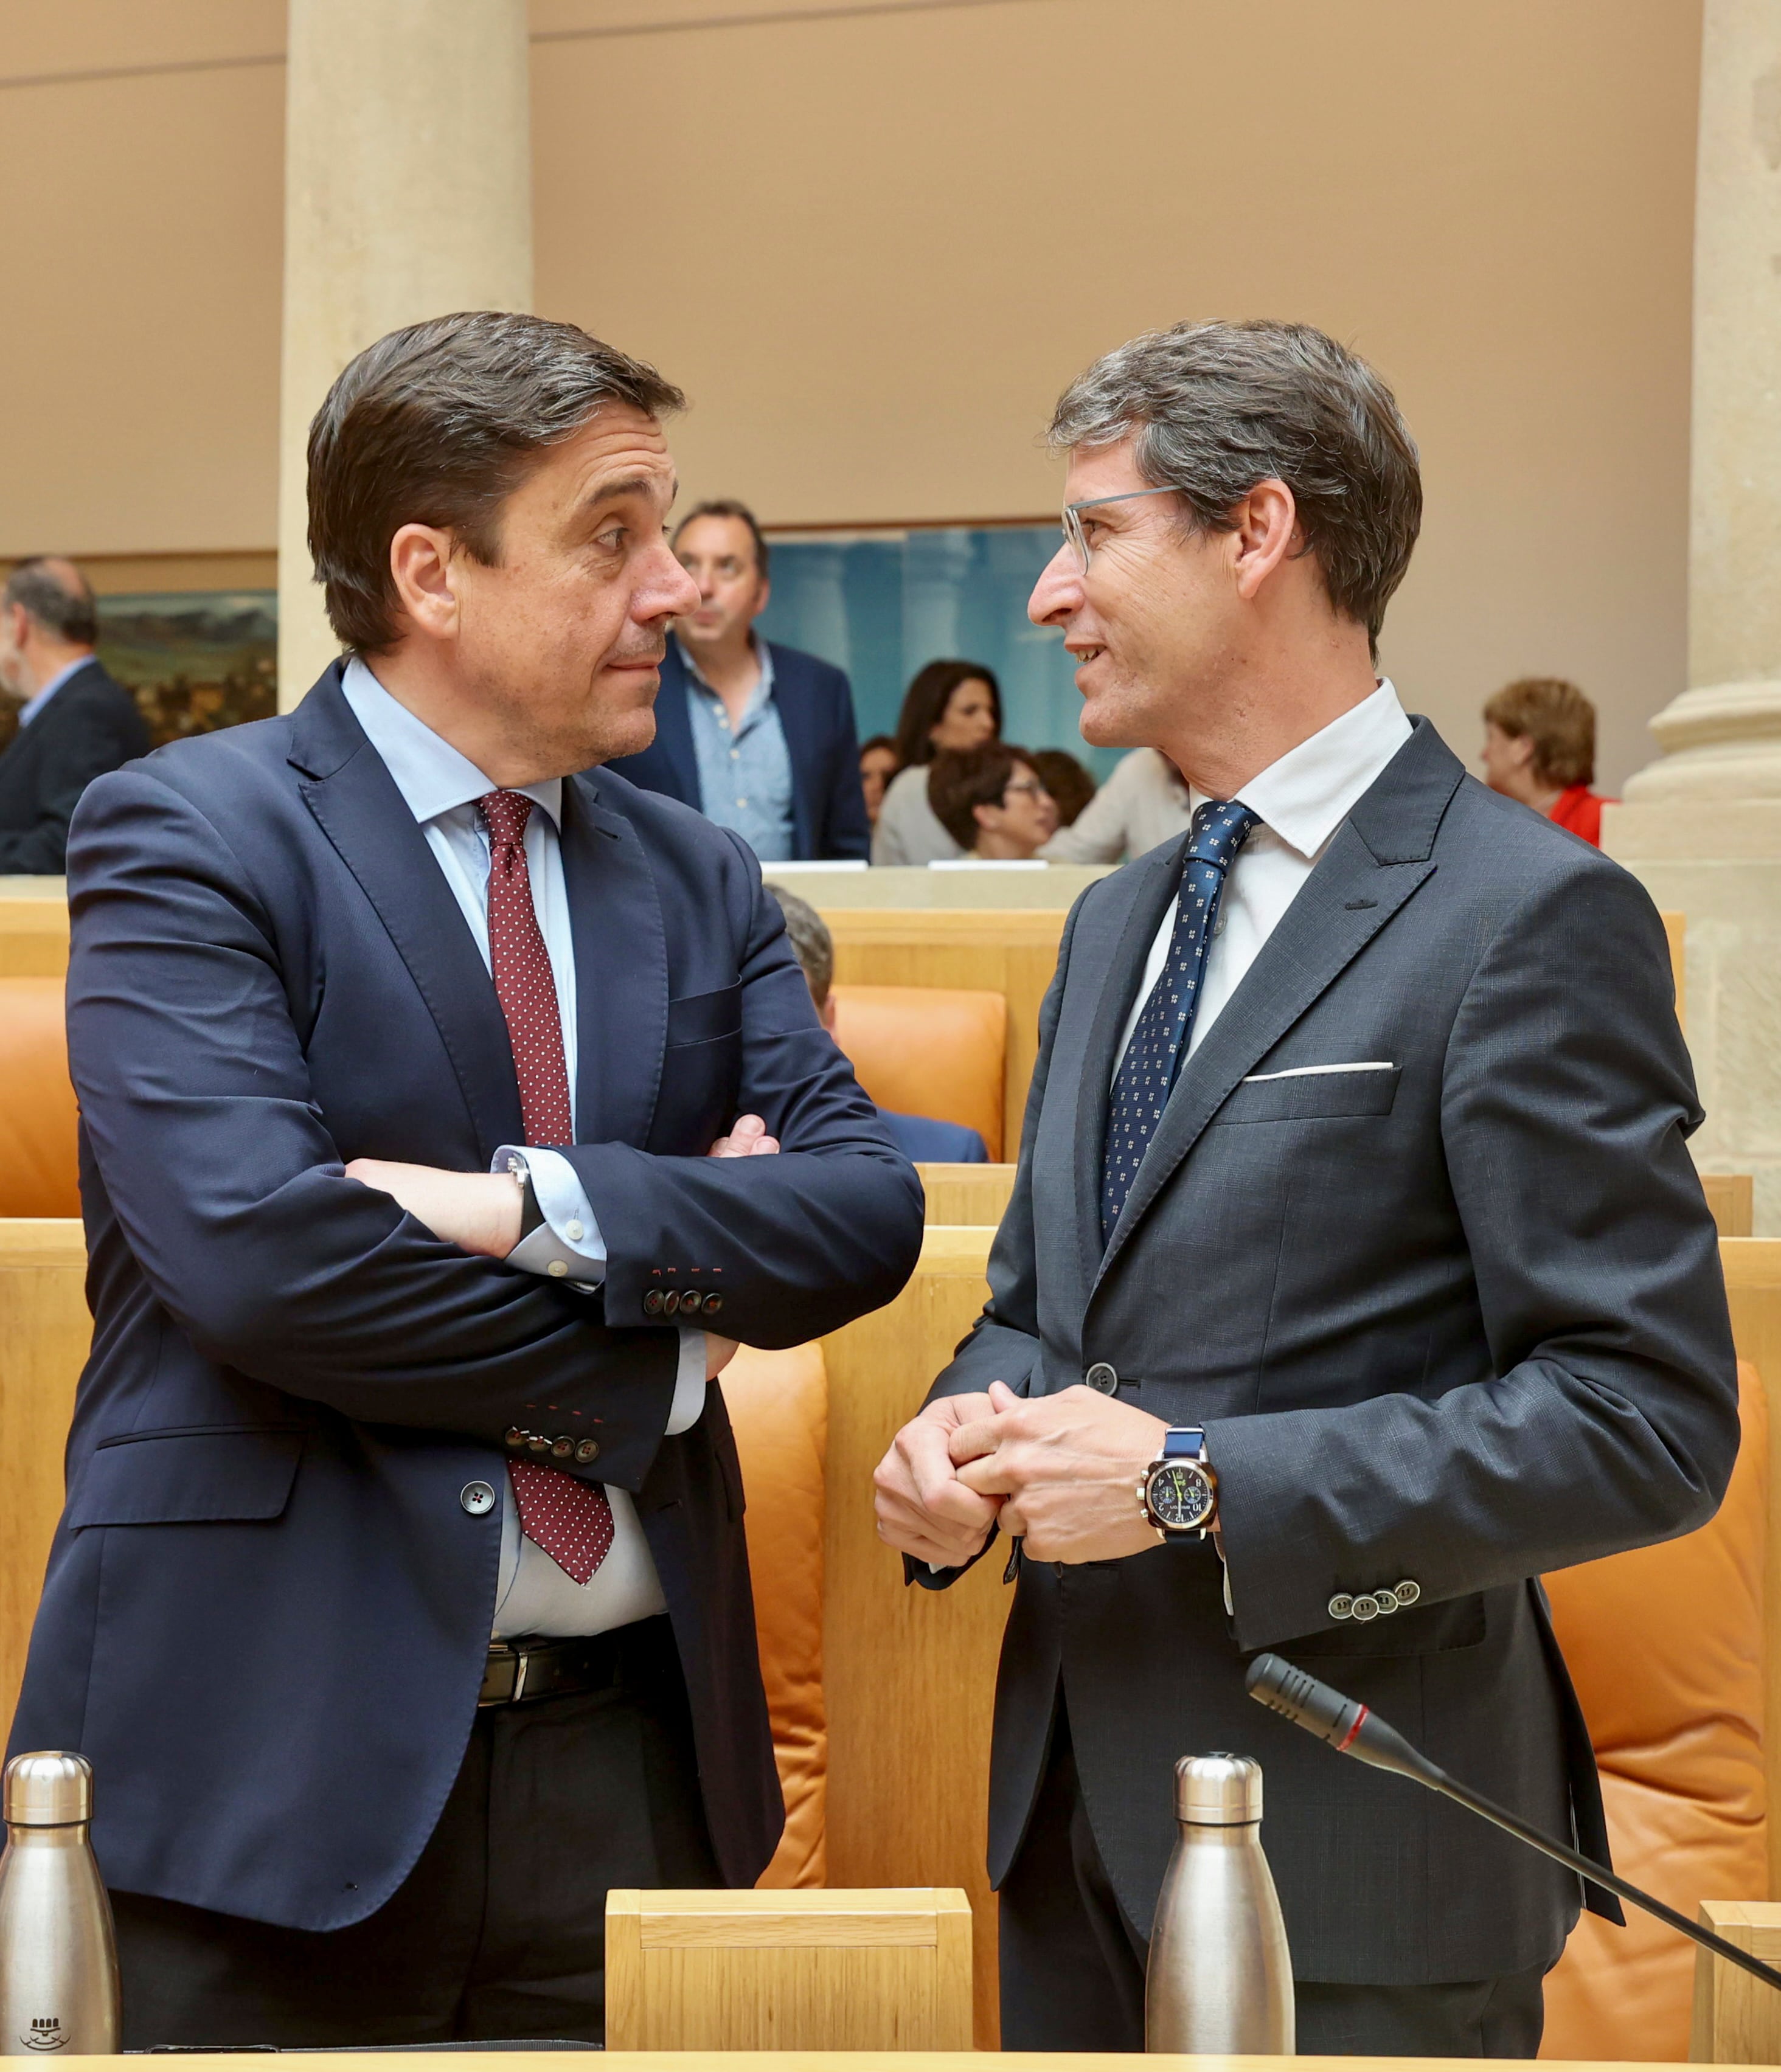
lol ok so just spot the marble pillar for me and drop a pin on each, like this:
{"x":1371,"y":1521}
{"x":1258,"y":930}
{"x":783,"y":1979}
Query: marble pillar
{"x":1702,"y":826}
{"x":408,"y":194}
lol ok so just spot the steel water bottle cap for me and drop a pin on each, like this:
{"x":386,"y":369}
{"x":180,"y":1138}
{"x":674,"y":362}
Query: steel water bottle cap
{"x":1217,"y":1791}
{"x":48,"y":1790}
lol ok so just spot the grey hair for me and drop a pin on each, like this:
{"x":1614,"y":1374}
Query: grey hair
{"x":1217,"y":408}
{"x":812,"y":943}
{"x":68,"y":613}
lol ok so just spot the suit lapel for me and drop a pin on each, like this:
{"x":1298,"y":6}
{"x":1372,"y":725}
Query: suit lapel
{"x":797,"y":723}
{"x":356,"y":803}
{"x":621,"y":969}
{"x":1109,"y":975}
{"x":1377,"y":860}
{"x":674,"y":726}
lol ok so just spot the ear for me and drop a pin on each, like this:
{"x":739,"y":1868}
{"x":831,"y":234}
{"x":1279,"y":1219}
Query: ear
{"x":420,"y":565}
{"x":826,"y":1013}
{"x":987,"y":816}
{"x":1265,"y":534}
{"x":762,"y":597}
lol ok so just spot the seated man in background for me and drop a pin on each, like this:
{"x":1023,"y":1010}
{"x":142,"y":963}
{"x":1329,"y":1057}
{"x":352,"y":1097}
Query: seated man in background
{"x":1145,"y":802}
{"x":756,"y":736}
{"x":1540,"y":748}
{"x":918,"y":1136}
{"x":75,"y":722}
{"x":992,"y":802}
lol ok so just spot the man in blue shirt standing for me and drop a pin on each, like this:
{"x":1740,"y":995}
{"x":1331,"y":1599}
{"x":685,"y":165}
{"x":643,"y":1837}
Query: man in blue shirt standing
{"x":759,"y":737}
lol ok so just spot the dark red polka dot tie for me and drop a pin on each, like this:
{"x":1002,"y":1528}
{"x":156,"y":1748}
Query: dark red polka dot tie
{"x":570,"y":1519}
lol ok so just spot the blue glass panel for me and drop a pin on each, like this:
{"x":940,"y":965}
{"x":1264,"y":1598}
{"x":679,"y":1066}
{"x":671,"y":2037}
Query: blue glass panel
{"x":880,"y":605}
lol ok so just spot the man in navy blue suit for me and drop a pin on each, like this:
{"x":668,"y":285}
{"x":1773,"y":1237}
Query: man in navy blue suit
{"x":758,"y":737}
{"x":400,"y":1601}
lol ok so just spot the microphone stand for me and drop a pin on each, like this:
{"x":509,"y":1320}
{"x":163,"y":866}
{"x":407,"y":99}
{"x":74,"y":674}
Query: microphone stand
{"x":1352,"y":1728}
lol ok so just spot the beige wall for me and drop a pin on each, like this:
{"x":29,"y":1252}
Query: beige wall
{"x":873,"y":246}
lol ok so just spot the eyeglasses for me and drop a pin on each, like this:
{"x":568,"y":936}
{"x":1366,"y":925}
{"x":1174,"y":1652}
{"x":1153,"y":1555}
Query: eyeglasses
{"x":1029,"y":787}
{"x":1072,"y":524}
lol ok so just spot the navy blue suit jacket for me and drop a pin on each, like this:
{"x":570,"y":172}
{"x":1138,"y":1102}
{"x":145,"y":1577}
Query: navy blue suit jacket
{"x":267,"y":1611}
{"x":816,"y":709}
{"x":926,"y":1137}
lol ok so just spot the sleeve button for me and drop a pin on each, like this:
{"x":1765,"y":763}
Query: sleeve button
{"x":587,"y":1450}
{"x":652,"y":1303}
{"x":1387,"y":1602}
{"x":713,"y":1305}
{"x":560,"y":1449}
{"x":535,"y":1442}
{"x":1408,"y":1592}
{"x":1365,"y":1608}
{"x":1341,"y":1606}
{"x":557,"y":1269}
{"x":513,"y":1436}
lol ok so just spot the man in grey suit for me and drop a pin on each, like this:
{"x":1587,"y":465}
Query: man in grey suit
{"x":1354,"y":1222}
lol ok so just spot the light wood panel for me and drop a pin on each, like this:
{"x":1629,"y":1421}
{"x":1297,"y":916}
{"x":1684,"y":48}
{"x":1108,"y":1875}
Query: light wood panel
{"x":909,"y":1673}
{"x":863,"y":2061}
{"x":967,"y":1193}
{"x":1737,"y":2018}
{"x":34,"y":927}
{"x":1012,"y":952}
{"x":1753,"y":1288}
{"x":1675,"y":929}
{"x":807,"y":1970}
{"x":44,"y":1333}
{"x":1732,"y":1198}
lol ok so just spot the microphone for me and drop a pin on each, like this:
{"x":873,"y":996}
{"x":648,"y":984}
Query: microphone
{"x":1353,"y":1728}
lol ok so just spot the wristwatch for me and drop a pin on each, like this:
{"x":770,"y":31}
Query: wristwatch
{"x":1179,"y":1492}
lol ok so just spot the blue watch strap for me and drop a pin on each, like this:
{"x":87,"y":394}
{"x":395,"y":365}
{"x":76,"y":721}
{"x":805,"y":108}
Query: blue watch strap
{"x":1184,"y":1442}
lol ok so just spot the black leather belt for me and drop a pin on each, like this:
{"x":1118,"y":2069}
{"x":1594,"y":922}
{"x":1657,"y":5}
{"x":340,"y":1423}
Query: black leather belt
{"x":519,"y":1671}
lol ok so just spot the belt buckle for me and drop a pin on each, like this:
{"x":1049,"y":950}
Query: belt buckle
{"x":515,"y":1661}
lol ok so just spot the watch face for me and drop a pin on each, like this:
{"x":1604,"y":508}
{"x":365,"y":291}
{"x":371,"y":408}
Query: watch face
{"x":1180,"y":1495}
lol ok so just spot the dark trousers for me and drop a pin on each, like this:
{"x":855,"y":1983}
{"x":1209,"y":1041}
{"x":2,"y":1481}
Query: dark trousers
{"x":1073,"y":1965}
{"x":499,"y":1930}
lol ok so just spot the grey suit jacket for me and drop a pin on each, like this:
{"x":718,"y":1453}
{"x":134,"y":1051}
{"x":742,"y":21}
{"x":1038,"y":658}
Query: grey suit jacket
{"x":1459,"y":1321}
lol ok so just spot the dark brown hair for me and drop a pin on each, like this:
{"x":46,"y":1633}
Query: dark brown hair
{"x":1560,"y":720}
{"x":924,"y":705}
{"x":438,"y":425}
{"x":1066,"y":781}
{"x":1214,"y":409}
{"x":727,"y":507}
{"x":68,"y":614}
{"x":960,"y":779}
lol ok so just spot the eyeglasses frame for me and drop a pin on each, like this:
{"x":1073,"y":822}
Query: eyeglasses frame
{"x":1072,"y":523}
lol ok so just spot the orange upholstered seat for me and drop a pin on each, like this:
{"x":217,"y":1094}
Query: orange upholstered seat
{"x":1665,"y":1645}
{"x":930,"y":1051}
{"x":40,"y":1174}
{"x":779,"y":1405}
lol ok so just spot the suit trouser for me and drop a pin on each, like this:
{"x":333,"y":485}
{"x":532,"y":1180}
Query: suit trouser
{"x":1073,"y":1965}
{"x":499,"y":1929}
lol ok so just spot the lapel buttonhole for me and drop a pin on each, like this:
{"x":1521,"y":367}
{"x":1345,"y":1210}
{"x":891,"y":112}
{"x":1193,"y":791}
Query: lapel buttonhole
{"x":1355,"y":905}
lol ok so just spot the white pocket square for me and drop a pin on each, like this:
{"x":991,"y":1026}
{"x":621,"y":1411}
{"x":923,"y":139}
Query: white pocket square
{"x":1316,"y":1072}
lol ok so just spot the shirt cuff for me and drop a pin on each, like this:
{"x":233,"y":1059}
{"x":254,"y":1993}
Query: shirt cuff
{"x":567,"y":1245}
{"x":688,"y":1404}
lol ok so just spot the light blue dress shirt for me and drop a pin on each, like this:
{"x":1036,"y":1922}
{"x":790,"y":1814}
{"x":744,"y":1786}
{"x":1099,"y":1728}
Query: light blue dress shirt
{"x":745,"y":771}
{"x":33,"y":705}
{"x":440,"y":787}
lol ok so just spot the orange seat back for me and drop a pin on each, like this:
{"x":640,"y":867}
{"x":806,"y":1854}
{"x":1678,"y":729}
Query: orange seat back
{"x":39,"y":1161}
{"x":932,"y":1051}
{"x":779,"y":1405}
{"x":1665,"y":1647}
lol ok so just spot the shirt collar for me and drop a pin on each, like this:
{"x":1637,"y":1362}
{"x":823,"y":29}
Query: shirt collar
{"x":762,"y":691}
{"x":33,"y":704}
{"x":1305,"y":796}
{"x":432,"y":776}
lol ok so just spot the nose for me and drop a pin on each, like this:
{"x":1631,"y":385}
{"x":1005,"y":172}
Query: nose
{"x":667,"y":590}
{"x":1058,"y":593}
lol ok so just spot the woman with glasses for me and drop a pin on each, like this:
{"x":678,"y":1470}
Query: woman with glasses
{"x":992,"y":802}
{"x":949,"y":706}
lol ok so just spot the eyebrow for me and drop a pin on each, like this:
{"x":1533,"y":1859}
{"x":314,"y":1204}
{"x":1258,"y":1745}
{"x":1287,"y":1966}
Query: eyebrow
{"x":629,"y":485}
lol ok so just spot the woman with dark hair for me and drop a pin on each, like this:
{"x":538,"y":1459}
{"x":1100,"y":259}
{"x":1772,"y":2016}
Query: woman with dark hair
{"x":877,"y":766}
{"x":954,"y":705}
{"x":992,"y":801}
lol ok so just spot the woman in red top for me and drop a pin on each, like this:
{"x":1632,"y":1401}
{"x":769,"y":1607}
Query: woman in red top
{"x":1540,"y":748}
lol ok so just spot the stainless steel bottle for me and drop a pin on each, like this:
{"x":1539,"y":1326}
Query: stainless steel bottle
{"x":58,"y":1956}
{"x":1219,"y":1977}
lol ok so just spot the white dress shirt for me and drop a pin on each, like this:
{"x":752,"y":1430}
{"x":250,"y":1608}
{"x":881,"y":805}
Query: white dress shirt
{"x":440,"y":787}
{"x":1300,"y":801}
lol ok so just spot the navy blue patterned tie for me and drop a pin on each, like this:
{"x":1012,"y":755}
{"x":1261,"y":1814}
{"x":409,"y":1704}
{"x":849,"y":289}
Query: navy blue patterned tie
{"x":1159,"y":1042}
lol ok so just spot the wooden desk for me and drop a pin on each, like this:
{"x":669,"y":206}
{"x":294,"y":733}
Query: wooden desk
{"x":856,"y":2060}
{"x":34,"y":927}
{"x":967,"y":1193}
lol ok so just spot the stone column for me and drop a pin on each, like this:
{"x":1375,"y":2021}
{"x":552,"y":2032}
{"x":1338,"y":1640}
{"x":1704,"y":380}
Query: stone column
{"x":408,"y":194}
{"x":1702,"y":826}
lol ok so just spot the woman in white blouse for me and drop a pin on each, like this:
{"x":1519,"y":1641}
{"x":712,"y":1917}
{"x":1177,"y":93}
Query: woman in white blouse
{"x":949,"y":704}
{"x":1143,"y":802}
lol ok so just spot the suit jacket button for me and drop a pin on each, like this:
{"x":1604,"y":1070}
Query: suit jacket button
{"x":713,"y":1305}
{"x":513,"y":1436}
{"x":1387,"y":1602}
{"x":1407,"y":1592}
{"x":562,"y":1448}
{"x":652,"y":1303}
{"x":478,"y":1499}
{"x":671,"y":1302}
{"x":535,"y":1442}
{"x":1102,"y":1377}
{"x":1365,"y":1608}
{"x":587,"y":1450}
{"x":1341,"y":1606}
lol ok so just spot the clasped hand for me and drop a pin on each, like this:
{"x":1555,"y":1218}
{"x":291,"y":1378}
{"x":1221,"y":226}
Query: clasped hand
{"x":480,"y":1212}
{"x":1061,"y":1471}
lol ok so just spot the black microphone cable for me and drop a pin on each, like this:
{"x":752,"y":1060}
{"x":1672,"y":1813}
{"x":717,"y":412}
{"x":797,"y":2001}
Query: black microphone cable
{"x":1353,"y":1728}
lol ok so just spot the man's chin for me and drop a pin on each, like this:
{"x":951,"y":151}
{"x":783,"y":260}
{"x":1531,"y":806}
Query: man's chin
{"x":1108,"y":723}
